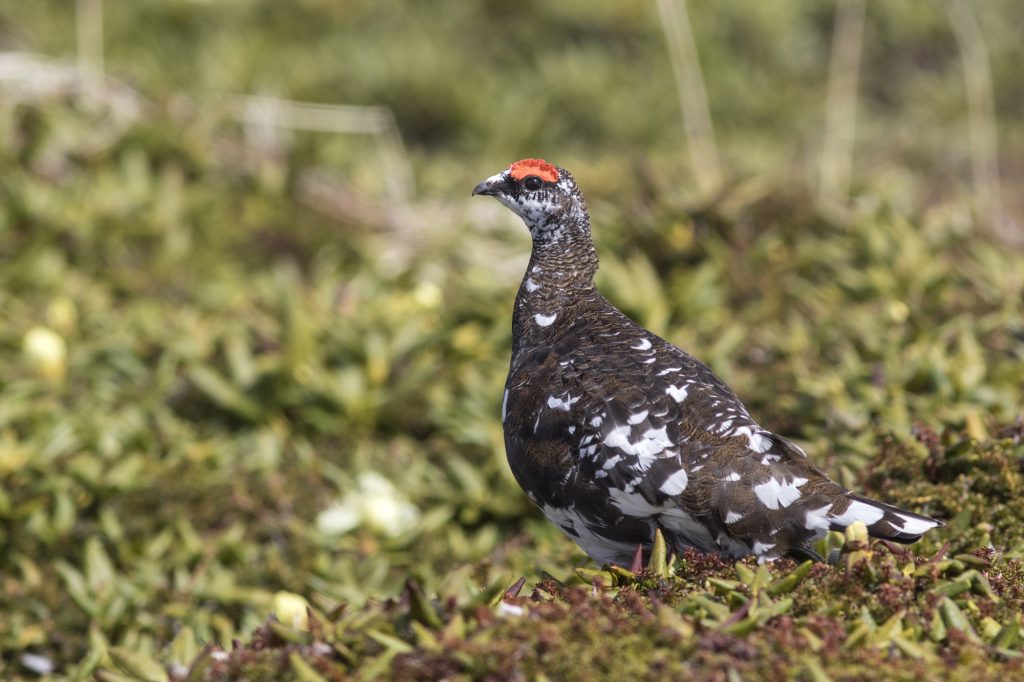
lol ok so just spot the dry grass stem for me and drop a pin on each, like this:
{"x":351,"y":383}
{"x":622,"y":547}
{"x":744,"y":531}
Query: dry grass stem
{"x":981,"y":111}
{"x":841,"y":106}
{"x":693,"y":99}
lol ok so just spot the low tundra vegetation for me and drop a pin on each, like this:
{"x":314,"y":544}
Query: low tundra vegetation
{"x":249,"y":409}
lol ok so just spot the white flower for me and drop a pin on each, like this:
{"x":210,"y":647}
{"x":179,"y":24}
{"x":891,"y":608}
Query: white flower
{"x":46,"y":351}
{"x":339,"y":518}
{"x":390,"y":516}
{"x":428,"y":295}
{"x":375,"y":504}
{"x":290,"y":609}
{"x":506,"y":610}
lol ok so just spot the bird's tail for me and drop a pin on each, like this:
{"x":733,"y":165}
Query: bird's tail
{"x":883,"y":520}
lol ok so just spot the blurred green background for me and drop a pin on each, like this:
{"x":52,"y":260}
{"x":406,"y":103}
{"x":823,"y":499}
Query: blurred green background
{"x":243,"y":359}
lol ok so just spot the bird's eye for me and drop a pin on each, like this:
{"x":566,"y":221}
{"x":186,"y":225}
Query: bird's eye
{"x":532,"y":182}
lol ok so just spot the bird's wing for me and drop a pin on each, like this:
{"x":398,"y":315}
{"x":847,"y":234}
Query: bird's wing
{"x":666,"y":439}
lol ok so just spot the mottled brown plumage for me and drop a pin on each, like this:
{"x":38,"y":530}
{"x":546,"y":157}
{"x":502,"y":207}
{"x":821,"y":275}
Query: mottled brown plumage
{"x":614,"y":432}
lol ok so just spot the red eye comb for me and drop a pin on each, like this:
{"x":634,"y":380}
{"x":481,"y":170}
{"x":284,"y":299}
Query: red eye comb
{"x":539,"y":167}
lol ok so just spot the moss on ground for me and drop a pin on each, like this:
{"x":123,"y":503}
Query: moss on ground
{"x":951,"y":606}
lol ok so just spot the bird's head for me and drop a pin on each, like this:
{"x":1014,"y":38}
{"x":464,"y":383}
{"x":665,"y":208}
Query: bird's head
{"x":543,"y":195}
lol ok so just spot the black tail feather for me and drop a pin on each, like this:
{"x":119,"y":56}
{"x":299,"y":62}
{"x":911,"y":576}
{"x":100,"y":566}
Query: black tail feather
{"x":895,"y":524}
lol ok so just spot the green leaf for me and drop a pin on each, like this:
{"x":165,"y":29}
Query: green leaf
{"x":303,"y":671}
{"x":789,"y":582}
{"x":224,"y":394}
{"x":99,"y":569}
{"x":656,"y":565}
{"x":137,"y":664}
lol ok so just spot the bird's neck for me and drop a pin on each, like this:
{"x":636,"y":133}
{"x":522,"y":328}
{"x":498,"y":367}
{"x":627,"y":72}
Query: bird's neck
{"x":565,"y":256}
{"x":558,"y":279}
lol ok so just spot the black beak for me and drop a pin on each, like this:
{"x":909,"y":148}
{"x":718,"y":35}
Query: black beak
{"x":490,"y":186}
{"x":483,"y":188}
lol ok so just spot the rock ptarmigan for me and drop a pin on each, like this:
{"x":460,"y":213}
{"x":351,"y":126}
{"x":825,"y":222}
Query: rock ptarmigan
{"x":614,"y":432}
